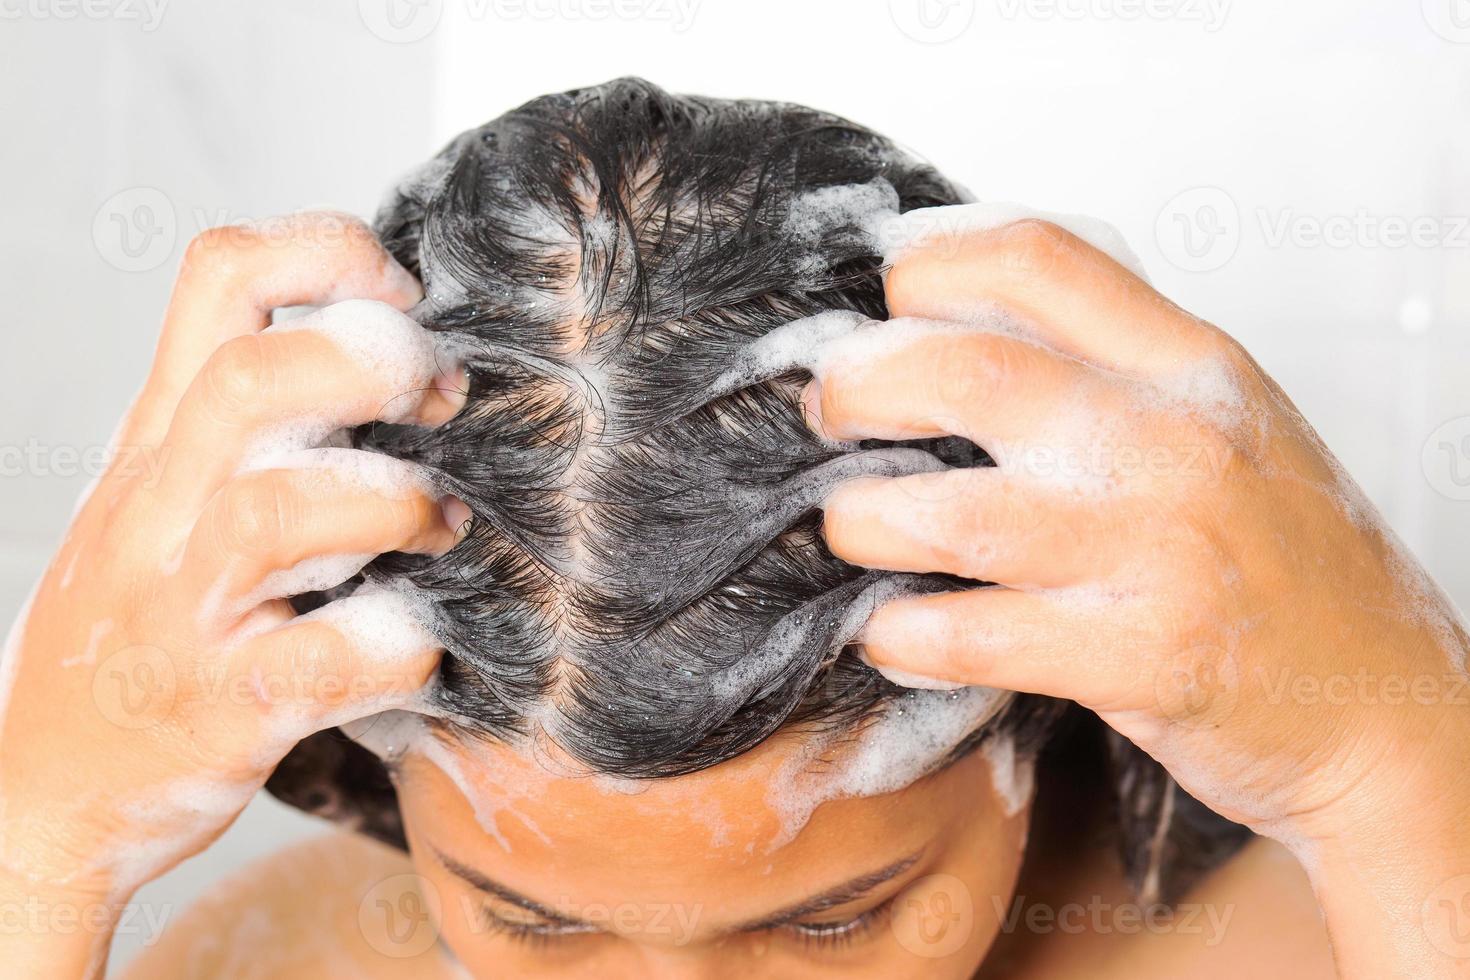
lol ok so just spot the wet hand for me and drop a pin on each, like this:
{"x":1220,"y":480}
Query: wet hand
{"x":1171,"y":544}
{"x":158,"y":675}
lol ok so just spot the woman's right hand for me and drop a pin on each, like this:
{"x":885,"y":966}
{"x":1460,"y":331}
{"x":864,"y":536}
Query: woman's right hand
{"x":158,"y":674}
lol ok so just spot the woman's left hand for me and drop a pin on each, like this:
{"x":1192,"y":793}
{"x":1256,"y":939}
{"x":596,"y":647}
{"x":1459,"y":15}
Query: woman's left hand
{"x":1174,"y":548}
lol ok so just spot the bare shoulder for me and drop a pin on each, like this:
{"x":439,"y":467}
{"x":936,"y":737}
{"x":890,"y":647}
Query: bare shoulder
{"x":338,"y":905}
{"x":1254,"y":916}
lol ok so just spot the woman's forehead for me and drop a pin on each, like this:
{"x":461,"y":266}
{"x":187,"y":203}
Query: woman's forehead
{"x":713,"y":837}
{"x":746,"y":809}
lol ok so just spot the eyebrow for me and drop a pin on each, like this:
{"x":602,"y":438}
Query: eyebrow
{"x":849,"y":891}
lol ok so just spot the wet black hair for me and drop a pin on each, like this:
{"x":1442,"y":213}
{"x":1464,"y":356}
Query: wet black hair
{"x":597,"y":257}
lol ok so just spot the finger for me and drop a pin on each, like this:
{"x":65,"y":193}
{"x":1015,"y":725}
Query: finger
{"x":233,"y":277}
{"x":913,"y":378}
{"x":273,"y":533}
{"x":1041,"y":643}
{"x":290,"y":388}
{"x":351,"y":658}
{"x":979,"y":523}
{"x":1076,"y":298}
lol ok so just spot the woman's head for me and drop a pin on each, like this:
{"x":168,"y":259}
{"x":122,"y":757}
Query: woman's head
{"x":649,"y":694}
{"x":644,"y":583}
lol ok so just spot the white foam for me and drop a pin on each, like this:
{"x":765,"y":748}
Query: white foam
{"x":388,"y":735}
{"x":899,"y":234}
{"x":169,"y":823}
{"x":490,"y":796}
{"x":403,"y":357}
{"x":316,"y":574}
{"x":382,"y":341}
{"x":390,"y":631}
{"x":353,"y":469}
{"x":69,"y":572}
{"x":873,"y":209}
{"x":88,"y":656}
{"x":385,"y":625}
{"x":1013,"y":776}
{"x":915,"y":734}
{"x":866,"y":207}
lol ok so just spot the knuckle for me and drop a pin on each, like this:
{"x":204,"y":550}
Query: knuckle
{"x":255,"y":516}
{"x":1237,"y":360}
{"x":239,"y":377}
{"x":316,"y":653}
{"x":981,"y":368}
{"x":418,"y":516}
{"x":221,"y":252}
{"x":1033,"y":249}
{"x":326,"y":230}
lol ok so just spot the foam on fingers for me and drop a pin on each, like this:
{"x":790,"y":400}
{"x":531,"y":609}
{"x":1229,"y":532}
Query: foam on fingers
{"x":391,"y":649}
{"x":405,"y":360}
{"x":871,"y":212}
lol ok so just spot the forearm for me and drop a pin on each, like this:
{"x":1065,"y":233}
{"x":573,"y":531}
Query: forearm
{"x":1405,"y":921}
{"x":53,"y":934}
{"x":1395,"y":888}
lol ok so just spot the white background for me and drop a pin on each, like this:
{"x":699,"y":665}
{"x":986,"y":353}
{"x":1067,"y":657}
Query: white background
{"x":1266,"y":159}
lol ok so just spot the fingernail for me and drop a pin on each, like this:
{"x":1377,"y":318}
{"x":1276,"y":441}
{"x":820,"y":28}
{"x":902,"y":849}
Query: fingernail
{"x":453,"y":386}
{"x":403,"y":285}
{"x":904,"y":678}
{"x":811,"y":406}
{"x":457,"y":517}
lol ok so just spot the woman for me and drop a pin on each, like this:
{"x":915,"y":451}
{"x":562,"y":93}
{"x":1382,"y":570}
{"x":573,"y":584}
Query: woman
{"x":631,"y":704}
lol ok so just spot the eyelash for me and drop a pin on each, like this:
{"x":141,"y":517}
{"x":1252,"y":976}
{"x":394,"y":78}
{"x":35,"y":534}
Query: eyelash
{"x":840,"y":935}
{"x":532,"y":934}
{"x":826,"y":936}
